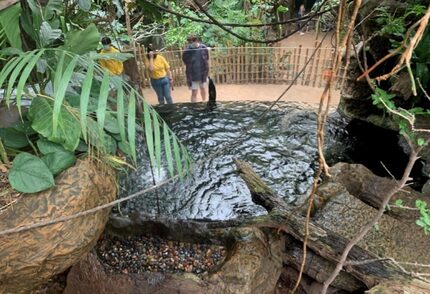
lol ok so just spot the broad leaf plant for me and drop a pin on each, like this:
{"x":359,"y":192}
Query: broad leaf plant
{"x":50,"y":78}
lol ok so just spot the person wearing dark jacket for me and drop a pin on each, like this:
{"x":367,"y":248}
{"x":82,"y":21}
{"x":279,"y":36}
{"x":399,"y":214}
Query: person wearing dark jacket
{"x":196,"y":59}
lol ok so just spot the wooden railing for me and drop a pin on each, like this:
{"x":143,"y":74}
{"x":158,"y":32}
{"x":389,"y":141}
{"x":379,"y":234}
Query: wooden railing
{"x":254,"y":65}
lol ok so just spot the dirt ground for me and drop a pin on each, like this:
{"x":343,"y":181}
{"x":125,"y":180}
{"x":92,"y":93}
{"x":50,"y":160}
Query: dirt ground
{"x":309,"y":39}
{"x":242,"y":92}
{"x":261,"y":92}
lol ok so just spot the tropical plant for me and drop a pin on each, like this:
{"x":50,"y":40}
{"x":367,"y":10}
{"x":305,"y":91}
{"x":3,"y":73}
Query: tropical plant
{"x":177,"y":29}
{"x":53,"y":81}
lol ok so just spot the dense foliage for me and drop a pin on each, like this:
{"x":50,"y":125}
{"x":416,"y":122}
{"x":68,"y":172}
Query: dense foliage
{"x":67,"y":104}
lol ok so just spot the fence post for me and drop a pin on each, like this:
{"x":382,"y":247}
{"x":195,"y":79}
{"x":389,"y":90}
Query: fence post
{"x":306,"y":68}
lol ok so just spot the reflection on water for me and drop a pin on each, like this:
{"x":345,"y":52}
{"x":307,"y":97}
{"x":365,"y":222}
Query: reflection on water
{"x":281,"y":148}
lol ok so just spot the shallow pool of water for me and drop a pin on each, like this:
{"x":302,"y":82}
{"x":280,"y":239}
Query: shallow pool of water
{"x":281,"y":148}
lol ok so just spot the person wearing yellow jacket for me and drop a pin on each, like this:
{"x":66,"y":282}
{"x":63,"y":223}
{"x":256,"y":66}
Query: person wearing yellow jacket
{"x":160,"y":76}
{"x":115,"y":67}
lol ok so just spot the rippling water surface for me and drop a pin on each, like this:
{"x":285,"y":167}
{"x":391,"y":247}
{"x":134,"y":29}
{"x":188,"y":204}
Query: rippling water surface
{"x":281,"y":148}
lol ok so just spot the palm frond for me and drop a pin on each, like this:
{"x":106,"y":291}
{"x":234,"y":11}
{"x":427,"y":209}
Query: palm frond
{"x":62,"y":66}
{"x":60,"y":92}
{"x":149,"y":133}
{"x":168,"y":149}
{"x":85,"y":97}
{"x":131,"y":123}
{"x":102,"y":105}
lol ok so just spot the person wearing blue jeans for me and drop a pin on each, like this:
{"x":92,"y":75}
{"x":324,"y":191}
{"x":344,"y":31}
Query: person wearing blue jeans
{"x":161,"y":77}
{"x":162,"y":89}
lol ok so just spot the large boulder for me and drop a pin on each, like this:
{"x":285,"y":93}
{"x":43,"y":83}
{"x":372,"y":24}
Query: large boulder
{"x":395,"y":235}
{"x":29,"y":258}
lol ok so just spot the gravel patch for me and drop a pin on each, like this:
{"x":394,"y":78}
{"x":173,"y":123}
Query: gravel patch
{"x":138,"y":254}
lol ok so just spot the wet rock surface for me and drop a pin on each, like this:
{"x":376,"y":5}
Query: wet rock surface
{"x":345,"y":214}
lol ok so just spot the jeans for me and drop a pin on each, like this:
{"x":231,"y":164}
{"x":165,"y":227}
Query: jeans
{"x":162,"y":89}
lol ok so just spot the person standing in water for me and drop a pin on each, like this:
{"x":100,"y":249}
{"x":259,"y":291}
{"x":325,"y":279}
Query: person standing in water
{"x":196,"y":60}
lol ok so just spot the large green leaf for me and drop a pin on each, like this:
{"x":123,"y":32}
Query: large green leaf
{"x":24,"y":127}
{"x":111,"y":124}
{"x":81,"y":42}
{"x":9,"y":21}
{"x":31,"y":19}
{"x":59,"y":161}
{"x":48,"y":34}
{"x":29,"y":174}
{"x":53,"y":7}
{"x":13,"y":138}
{"x":46,"y":146}
{"x":69,"y":130}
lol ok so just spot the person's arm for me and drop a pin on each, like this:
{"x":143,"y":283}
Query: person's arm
{"x":186,"y":56}
{"x":151,"y":61}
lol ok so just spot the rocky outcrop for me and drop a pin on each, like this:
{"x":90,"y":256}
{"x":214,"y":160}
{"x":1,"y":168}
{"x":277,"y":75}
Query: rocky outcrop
{"x":258,"y":247}
{"x":31,"y":257}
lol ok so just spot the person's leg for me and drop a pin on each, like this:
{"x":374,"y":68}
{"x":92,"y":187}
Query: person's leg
{"x":156,"y":85}
{"x":194,"y":88}
{"x":166,"y":91}
{"x":203,"y":91}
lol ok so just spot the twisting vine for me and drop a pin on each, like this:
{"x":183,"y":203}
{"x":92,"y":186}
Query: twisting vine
{"x":342,"y":45}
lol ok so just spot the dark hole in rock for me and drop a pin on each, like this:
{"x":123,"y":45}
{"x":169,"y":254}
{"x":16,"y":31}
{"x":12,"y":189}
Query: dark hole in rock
{"x":373,"y":145}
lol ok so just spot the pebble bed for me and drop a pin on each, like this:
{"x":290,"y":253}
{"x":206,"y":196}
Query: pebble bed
{"x":138,"y":254}
{"x":8,"y":196}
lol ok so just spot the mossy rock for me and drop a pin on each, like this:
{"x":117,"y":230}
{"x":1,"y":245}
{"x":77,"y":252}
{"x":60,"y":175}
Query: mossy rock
{"x":29,"y":258}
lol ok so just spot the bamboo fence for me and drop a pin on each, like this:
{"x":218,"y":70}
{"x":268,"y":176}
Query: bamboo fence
{"x":254,"y":65}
